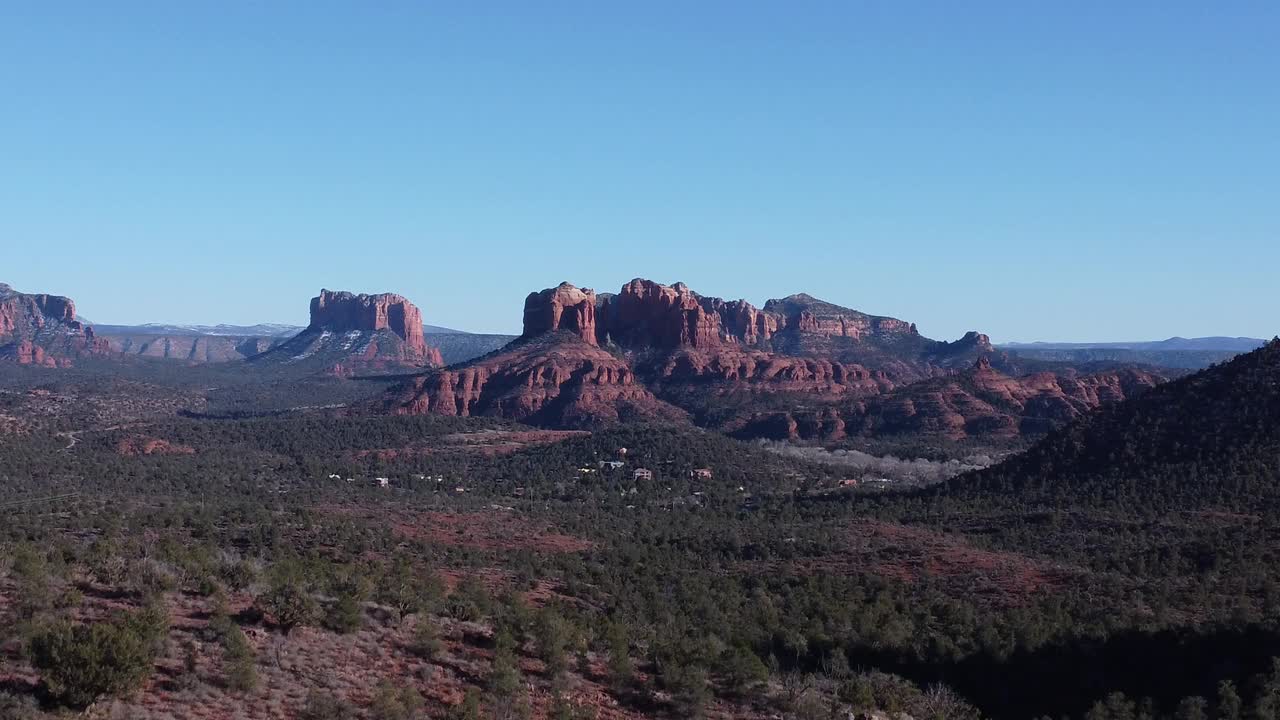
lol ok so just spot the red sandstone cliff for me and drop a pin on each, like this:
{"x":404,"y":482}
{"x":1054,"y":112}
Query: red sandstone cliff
{"x":40,"y":329}
{"x":652,"y":348}
{"x":978,"y":402}
{"x":645,"y":314}
{"x":563,"y":307}
{"x":558,"y":380}
{"x":344,"y":312}
{"x":352,"y":333}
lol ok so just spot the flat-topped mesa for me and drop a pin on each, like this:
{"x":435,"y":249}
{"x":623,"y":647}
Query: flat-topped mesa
{"x":563,"y":307}
{"x":807,"y":314}
{"x":341,"y":311}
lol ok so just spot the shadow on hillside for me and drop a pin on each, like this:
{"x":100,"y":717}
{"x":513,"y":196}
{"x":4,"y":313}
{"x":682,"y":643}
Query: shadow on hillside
{"x":1066,"y":679}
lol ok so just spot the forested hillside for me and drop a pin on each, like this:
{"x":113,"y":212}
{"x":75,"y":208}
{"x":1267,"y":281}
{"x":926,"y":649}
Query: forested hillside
{"x":1210,"y":440}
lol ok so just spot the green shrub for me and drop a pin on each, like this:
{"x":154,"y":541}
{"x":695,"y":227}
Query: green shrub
{"x":81,"y":662}
{"x":240,"y":666}
{"x":324,"y":706}
{"x":395,"y":703}
{"x":426,"y":641}
{"x":289,"y":605}
{"x":407,"y":590}
{"x":346,"y":614}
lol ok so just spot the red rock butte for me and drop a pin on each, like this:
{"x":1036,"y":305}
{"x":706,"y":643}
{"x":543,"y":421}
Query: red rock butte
{"x":657,"y":350}
{"x":563,"y":307}
{"x":341,"y":311}
{"x":647,"y":314}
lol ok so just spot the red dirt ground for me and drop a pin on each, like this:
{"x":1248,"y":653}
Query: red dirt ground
{"x":493,"y":530}
{"x":138,"y":445}
{"x":485,"y":442}
{"x":911,"y":554}
{"x":347,"y":666}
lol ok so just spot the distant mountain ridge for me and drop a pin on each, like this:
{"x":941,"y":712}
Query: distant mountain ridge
{"x":227,"y":343}
{"x":223,"y":330}
{"x":458,"y":347}
{"x":1175,"y":352}
{"x":1217,"y":343}
{"x":265,"y":330}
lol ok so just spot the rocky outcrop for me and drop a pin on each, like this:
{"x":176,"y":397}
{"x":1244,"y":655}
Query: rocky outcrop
{"x":799,"y":368}
{"x":351,"y":334}
{"x":140,"y":445}
{"x":563,"y":307}
{"x":556,"y":379}
{"x":981,"y":402}
{"x":973,"y":345}
{"x":733,"y":367}
{"x":40,"y":329}
{"x":807,"y":314}
{"x":645,"y":315}
{"x":648,"y":315}
{"x":25,"y":352}
{"x":340,"y":311}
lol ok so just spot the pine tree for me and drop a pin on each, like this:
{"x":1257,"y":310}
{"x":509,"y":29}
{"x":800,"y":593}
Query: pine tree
{"x":426,"y":641}
{"x":1192,"y":708}
{"x":1229,"y":706}
{"x":238,"y":657}
{"x":505,"y":679}
{"x":620,"y":667}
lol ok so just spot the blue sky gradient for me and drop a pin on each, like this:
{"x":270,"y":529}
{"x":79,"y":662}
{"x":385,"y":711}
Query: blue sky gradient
{"x":1080,"y":171}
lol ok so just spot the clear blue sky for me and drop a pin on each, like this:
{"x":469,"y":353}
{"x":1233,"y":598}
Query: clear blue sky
{"x":1066,"y":171}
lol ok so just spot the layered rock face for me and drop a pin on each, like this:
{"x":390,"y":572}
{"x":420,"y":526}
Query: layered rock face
{"x":191,"y":348}
{"x":340,"y":311}
{"x":19,"y":309}
{"x":352,"y":333}
{"x":807,"y":314}
{"x":564,"y":307}
{"x":562,"y":382}
{"x":40,"y":329}
{"x":732,"y":368}
{"x":664,"y":351}
{"x":676,"y":345}
{"x":981,"y":402}
{"x":645,"y":314}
